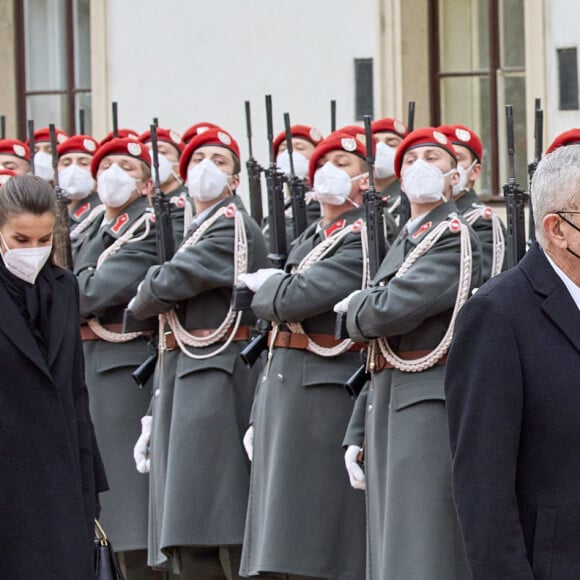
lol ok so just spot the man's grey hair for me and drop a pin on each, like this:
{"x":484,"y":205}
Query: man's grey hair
{"x":556,"y":185}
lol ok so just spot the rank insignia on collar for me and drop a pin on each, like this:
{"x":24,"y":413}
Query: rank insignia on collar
{"x":337,"y":225}
{"x":425,"y":227}
{"x":82,"y":210}
{"x":178,"y":201}
{"x":120,"y":222}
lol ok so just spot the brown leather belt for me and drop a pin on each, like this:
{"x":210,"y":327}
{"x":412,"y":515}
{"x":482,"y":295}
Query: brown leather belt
{"x":243,"y":333}
{"x":381,"y":362}
{"x":88,"y":334}
{"x":285,"y":339}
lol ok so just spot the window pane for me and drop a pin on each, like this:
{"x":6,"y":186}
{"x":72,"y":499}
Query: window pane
{"x":46,"y":109}
{"x":512,"y":33}
{"x":463,"y":34}
{"x":82,"y":44}
{"x":465,"y":101}
{"x":83,"y":101}
{"x":45,"y":37}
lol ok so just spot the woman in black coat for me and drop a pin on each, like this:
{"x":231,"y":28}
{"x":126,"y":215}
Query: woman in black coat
{"x":50,"y":467}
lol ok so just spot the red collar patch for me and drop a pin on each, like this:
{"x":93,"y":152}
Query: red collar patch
{"x":338,"y":225}
{"x":82,"y":210}
{"x":426,"y":226}
{"x":178,"y":201}
{"x":121,"y":221}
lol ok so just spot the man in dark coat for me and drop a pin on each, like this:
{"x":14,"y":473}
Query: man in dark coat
{"x":513,"y":402}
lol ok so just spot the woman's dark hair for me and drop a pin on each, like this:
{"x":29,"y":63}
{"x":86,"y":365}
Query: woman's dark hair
{"x":26,"y":194}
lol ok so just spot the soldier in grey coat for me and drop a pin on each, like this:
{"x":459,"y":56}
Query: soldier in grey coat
{"x":303,"y":518}
{"x":203,"y":393}
{"x":117,"y":251}
{"x":408,"y":315}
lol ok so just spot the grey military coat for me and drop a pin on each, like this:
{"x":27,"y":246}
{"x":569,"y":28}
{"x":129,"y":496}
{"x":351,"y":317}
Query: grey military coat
{"x":303,"y":516}
{"x":412,"y":526}
{"x":116,"y":403}
{"x":199,"y":469}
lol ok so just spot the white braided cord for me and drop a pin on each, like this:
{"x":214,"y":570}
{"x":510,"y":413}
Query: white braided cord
{"x":316,"y":254}
{"x":465,"y":268}
{"x":498,"y":239}
{"x":233,"y":318}
{"x":85,"y":224}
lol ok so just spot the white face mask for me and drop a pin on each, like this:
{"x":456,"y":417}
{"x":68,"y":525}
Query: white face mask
{"x":206,"y":181}
{"x":332,"y":185}
{"x":25,"y":263}
{"x":300,"y":163}
{"x":424,"y":182}
{"x":78,"y":183}
{"x":43,"y":166}
{"x":165,"y":168}
{"x":460,"y":185}
{"x":115,"y":186}
{"x":384,"y":161}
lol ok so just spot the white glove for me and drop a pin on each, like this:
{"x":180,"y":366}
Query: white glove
{"x":248,"y":442}
{"x":355,"y":474}
{"x":255,"y":280}
{"x":141,"y":449}
{"x":342,"y":306}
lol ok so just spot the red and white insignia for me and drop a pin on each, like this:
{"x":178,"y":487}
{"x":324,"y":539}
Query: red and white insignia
{"x":132,"y":137}
{"x":224,"y":138}
{"x":315,"y":135}
{"x":454,"y":226}
{"x":230,"y":211}
{"x":440,"y":137}
{"x":463,"y":135}
{"x":82,"y":210}
{"x":134,"y":149}
{"x":400,"y":127}
{"x":120,"y":222}
{"x":201,"y":130}
{"x":348,"y":144}
{"x":487,"y":213}
{"x":178,"y":202}
{"x":89,"y":145}
{"x":61,"y":138}
{"x":335,"y":227}
{"x":362,"y":138}
{"x":175,"y":136}
{"x":357,"y":226}
{"x":19,"y":150}
{"x":422,"y":230}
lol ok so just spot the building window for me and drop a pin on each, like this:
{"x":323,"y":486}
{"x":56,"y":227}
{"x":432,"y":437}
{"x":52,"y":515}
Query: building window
{"x":478,"y":67}
{"x":54,"y":68}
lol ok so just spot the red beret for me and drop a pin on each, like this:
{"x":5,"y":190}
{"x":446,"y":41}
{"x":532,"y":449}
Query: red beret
{"x":570,"y":137}
{"x":78,"y":144}
{"x":5,"y":175}
{"x":126,"y":147}
{"x":217,"y":137}
{"x":421,"y":138}
{"x":167,"y":135}
{"x":388,"y":124}
{"x":43,"y":135}
{"x":338,"y":141}
{"x":15,"y":148}
{"x":121,"y":134}
{"x":196,"y":130}
{"x":303,"y":131}
{"x":461,"y":135}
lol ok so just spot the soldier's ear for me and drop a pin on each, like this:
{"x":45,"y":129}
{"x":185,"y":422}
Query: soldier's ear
{"x":553,"y":228}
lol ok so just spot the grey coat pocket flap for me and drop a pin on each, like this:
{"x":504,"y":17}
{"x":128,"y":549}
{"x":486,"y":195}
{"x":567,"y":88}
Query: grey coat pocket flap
{"x":224,"y":361}
{"x":412,"y":393}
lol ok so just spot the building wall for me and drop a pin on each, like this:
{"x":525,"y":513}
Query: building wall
{"x":8,"y":66}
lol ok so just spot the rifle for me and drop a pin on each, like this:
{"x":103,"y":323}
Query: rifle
{"x":63,"y":251}
{"x":2,"y":126}
{"x":538,"y":146}
{"x":296,"y":186}
{"x":278,"y":247}
{"x":515,"y":199}
{"x":332,"y":116}
{"x":165,"y":250}
{"x":405,"y":206}
{"x":377,"y":249}
{"x":254,"y":171}
{"x":81,"y":121}
{"x":31,"y":145}
{"x":115,"y":120}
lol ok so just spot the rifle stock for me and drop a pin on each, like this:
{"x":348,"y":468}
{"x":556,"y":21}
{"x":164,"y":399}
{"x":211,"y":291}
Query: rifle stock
{"x":254,"y":173}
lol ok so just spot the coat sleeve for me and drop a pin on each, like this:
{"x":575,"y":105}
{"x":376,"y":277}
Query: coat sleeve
{"x":116,"y":281}
{"x":428,"y":288}
{"x":207,"y":265}
{"x":484,"y":392}
{"x":296,"y":297}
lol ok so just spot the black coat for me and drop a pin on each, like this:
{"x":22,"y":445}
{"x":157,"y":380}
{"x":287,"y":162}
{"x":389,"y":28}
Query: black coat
{"x":50,"y":467}
{"x":513,"y":396}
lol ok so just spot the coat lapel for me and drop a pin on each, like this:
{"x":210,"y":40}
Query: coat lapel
{"x":558,"y":304}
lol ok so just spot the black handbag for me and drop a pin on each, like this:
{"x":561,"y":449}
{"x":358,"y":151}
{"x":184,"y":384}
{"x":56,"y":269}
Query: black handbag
{"x":106,"y":563}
